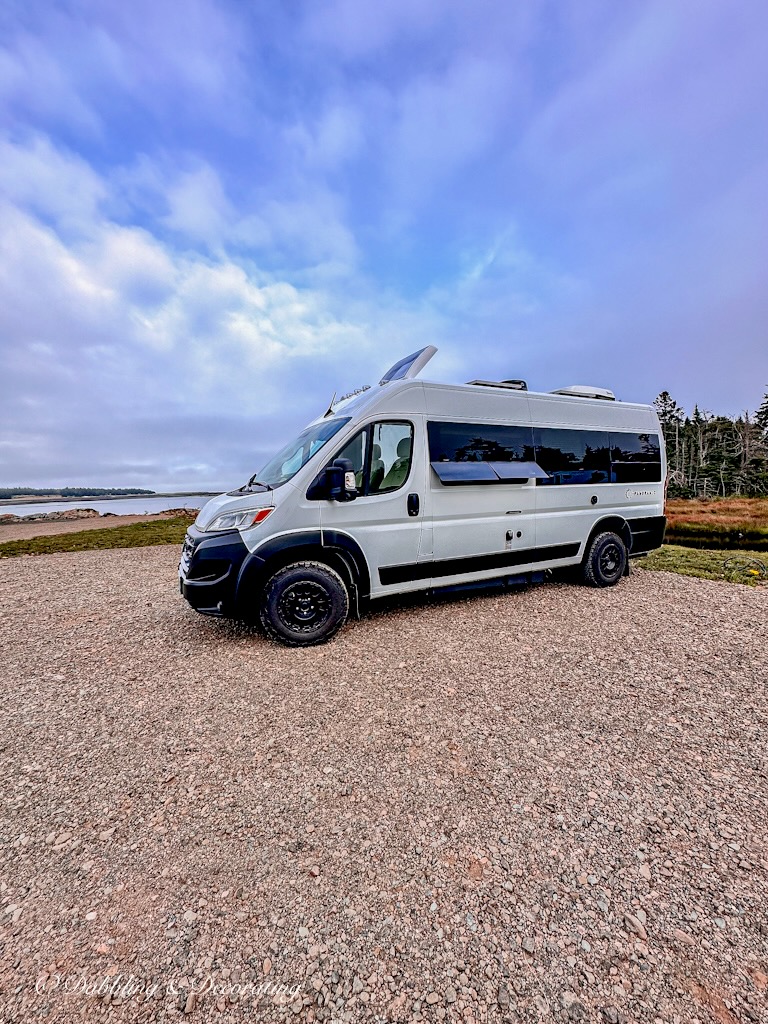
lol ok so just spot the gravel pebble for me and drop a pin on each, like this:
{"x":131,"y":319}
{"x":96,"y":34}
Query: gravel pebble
{"x":378,"y":825}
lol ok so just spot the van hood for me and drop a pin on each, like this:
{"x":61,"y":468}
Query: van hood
{"x":236,"y":501}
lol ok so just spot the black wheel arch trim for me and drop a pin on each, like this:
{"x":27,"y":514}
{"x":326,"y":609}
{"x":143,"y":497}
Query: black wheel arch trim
{"x":615,"y":524}
{"x":640,"y":534}
{"x":306,"y":544}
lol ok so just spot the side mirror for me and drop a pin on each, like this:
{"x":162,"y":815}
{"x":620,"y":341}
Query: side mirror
{"x":340,"y":481}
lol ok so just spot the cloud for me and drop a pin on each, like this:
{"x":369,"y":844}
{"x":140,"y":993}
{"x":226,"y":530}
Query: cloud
{"x":198,"y":207}
{"x":72,"y":67}
{"x":57,"y":185}
{"x":110,"y":325}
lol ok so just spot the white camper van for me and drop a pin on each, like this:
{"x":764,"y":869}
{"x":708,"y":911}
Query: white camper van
{"x":414,"y":485}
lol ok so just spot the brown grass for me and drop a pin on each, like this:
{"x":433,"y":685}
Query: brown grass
{"x":719,"y":522}
{"x":724,"y":513}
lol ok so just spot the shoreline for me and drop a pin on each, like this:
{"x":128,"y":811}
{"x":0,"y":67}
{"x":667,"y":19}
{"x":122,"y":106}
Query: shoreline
{"x":52,"y":527}
{"x":40,"y":500}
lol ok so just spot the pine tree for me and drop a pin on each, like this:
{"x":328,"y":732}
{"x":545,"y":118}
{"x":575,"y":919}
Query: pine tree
{"x":761,"y":417}
{"x":671,"y":417}
{"x":668,"y":409}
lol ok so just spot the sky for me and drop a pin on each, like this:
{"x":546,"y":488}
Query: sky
{"x":216,"y":213}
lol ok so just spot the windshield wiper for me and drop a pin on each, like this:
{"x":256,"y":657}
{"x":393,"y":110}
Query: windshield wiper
{"x":259,"y":483}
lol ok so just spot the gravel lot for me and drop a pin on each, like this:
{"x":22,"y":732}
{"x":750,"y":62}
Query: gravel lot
{"x":548,"y":805}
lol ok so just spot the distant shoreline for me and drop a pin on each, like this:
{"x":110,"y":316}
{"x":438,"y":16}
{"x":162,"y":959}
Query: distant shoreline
{"x":31,"y":500}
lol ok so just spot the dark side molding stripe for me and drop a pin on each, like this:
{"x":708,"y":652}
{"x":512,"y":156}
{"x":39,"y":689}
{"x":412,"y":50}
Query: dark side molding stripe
{"x":391,"y":574}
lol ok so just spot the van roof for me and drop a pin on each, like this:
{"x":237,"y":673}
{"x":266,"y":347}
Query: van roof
{"x":576,"y":406}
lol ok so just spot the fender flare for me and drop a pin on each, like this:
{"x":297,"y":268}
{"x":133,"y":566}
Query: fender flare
{"x":617,"y":524}
{"x":331,"y":546}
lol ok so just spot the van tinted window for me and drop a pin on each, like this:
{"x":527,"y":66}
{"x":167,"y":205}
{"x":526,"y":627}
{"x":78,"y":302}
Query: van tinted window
{"x":573,"y":456}
{"x":567,"y":455}
{"x":479,"y":442}
{"x":635,"y":458}
{"x":596,"y":456}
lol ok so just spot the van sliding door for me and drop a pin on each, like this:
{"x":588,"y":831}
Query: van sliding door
{"x":482,"y":490}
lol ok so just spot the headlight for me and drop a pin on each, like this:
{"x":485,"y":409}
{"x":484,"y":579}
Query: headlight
{"x":240,"y":520}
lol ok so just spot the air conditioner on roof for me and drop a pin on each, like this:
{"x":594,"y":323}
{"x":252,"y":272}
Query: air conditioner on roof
{"x":586,"y":391}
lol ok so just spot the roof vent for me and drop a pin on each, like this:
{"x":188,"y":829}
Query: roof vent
{"x":586,"y":391}
{"x":512,"y":385}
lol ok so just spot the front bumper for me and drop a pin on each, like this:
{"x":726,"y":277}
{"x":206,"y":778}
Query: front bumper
{"x":209,"y":570}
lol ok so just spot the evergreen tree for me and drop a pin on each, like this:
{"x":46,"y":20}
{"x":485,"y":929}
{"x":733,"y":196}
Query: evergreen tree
{"x":672,"y":417}
{"x":761,"y":417}
{"x":670,"y":413}
{"x":714,"y":456}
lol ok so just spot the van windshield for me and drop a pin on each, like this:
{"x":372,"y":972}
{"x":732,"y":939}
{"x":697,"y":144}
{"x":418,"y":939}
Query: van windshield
{"x":290,"y":459}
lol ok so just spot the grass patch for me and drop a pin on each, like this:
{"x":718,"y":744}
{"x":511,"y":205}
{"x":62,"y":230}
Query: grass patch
{"x":708,"y":564}
{"x":719,"y":522}
{"x":135,"y":535}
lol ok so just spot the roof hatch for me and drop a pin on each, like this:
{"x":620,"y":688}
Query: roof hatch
{"x":409,"y":367}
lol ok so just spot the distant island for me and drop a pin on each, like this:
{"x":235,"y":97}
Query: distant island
{"x":72,"y":492}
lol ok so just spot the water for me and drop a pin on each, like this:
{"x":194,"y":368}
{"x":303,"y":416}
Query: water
{"x":118,"y":506}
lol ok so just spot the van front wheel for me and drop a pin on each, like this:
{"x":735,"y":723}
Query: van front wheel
{"x":606,"y":560}
{"x":305,"y":603}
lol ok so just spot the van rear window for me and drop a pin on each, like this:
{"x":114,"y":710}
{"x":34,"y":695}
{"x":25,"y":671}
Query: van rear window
{"x":596,"y":456}
{"x":635,"y":458}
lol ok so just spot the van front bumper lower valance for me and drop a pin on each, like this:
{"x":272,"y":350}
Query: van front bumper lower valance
{"x":209,"y":570}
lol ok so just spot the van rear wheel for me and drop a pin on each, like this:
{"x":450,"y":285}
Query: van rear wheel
{"x":305,"y":603}
{"x":606,"y":560}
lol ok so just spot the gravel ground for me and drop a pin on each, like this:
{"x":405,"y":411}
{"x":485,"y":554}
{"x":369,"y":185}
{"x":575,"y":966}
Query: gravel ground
{"x":24,"y":531}
{"x":542,"y":806}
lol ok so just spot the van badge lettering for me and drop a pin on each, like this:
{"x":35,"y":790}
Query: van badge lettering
{"x":638,"y":492}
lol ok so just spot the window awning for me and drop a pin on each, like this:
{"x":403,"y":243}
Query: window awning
{"x":518,"y":470}
{"x":453,"y":473}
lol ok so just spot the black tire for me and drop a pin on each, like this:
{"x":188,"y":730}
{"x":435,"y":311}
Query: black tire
{"x":305,"y":603}
{"x":606,"y":560}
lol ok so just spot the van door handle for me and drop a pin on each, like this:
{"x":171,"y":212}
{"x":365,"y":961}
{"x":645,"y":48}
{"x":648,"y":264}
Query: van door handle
{"x":413,"y":504}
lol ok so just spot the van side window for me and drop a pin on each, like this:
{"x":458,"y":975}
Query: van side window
{"x":381,"y":456}
{"x":356,"y":450}
{"x":635,"y":458}
{"x":573,"y":456}
{"x":567,"y":455}
{"x":391,"y":455}
{"x":596,"y":456}
{"x":479,"y":442}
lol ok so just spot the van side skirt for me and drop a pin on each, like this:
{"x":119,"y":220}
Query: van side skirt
{"x":391,"y":574}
